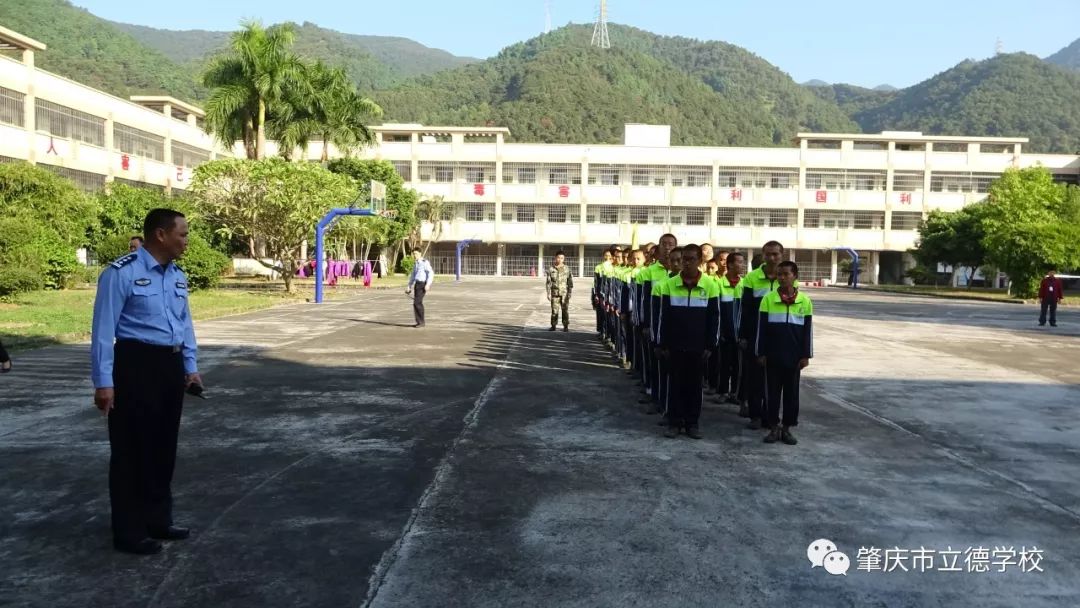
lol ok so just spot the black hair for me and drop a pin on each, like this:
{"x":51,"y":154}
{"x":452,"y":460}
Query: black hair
{"x":671,"y":235}
{"x":418,"y":250}
{"x":136,"y":238}
{"x":735,"y":253}
{"x":789,"y":264}
{"x":164,"y":219}
{"x":773,"y":244}
{"x":692,"y":247}
{"x":560,"y":252}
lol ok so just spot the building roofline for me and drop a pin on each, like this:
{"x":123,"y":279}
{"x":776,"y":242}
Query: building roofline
{"x":418,"y":128}
{"x":12,"y":40}
{"x":143,"y":100}
{"x":910,"y":136}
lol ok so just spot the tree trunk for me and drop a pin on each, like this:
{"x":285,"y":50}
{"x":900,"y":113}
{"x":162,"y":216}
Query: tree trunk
{"x":260,"y":142}
{"x":325,"y":149}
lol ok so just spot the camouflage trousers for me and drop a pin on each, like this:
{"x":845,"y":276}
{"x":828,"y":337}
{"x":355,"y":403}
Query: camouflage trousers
{"x":560,"y":304}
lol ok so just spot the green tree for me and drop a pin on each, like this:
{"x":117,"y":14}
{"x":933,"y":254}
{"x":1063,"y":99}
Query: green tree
{"x":248,"y":83}
{"x":1031,"y":224}
{"x":953,"y":238}
{"x":272,"y":200}
{"x":326,"y":108}
{"x":39,"y":194}
{"x":404,"y":202}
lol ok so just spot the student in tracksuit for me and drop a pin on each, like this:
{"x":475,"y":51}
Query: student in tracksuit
{"x":688,"y":330}
{"x":784,"y":346}
{"x":597,"y":291}
{"x":672,"y":268}
{"x":731,"y":288}
{"x":635,"y":264}
{"x":653,"y":274}
{"x":757,"y":284}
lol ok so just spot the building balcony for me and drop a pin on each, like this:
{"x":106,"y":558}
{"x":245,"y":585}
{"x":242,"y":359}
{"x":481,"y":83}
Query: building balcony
{"x":829,"y":238}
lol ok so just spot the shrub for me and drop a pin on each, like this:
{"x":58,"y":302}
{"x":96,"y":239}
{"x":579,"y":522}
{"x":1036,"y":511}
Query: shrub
{"x":32,"y":245}
{"x":406,"y":264}
{"x":15,"y":280}
{"x":108,"y":248}
{"x":203,"y":264}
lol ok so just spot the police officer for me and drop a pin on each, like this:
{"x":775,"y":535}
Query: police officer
{"x":560,"y":282}
{"x":143,"y":356}
{"x":420,"y":279}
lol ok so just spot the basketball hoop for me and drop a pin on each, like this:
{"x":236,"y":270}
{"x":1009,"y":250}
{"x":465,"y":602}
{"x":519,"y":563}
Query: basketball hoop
{"x":378,"y":197}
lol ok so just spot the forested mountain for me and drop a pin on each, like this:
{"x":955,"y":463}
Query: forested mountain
{"x":852,"y":100}
{"x":95,"y":52}
{"x":1008,"y":95}
{"x":1068,"y":57}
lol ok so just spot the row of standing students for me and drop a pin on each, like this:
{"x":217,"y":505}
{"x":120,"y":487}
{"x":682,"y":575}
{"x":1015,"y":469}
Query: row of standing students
{"x":686,"y":322}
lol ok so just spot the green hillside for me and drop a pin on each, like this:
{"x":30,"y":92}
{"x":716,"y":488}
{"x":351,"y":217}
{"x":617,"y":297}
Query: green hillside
{"x":852,"y":100}
{"x":1008,"y":95}
{"x":95,"y":52}
{"x":1068,"y":57}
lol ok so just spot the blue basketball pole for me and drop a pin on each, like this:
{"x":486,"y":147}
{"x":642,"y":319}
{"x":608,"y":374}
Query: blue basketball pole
{"x":461,"y":246}
{"x":320,"y":231}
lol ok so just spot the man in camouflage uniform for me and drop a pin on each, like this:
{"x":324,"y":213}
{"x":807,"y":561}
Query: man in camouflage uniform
{"x":560,"y":282}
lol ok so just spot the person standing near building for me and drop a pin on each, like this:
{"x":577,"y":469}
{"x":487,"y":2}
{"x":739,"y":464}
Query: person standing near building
{"x":560,"y":282}
{"x":1051,"y":291}
{"x":687,"y":328}
{"x":756,"y":285}
{"x":731,"y":288}
{"x":143,"y":357}
{"x":5,"y":360}
{"x":598,"y":293}
{"x":420,"y":280}
{"x":784,"y":345}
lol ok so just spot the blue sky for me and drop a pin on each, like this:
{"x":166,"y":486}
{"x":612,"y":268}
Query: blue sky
{"x":857,"y":41}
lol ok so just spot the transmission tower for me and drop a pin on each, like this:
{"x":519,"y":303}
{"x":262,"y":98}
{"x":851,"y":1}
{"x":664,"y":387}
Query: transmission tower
{"x":600,"y":35}
{"x":999,"y":47}
{"x":547,"y":16}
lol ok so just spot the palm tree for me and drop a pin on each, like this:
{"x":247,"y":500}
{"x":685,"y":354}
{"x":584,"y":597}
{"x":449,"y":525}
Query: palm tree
{"x":327,"y":108}
{"x":251,"y":82}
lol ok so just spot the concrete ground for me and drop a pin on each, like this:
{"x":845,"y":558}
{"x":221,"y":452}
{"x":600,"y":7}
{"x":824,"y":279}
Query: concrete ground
{"x":347,"y":459}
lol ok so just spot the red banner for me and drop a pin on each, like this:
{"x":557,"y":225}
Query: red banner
{"x":736,"y":194}
{"x":125,"y":162}
{"x":478,"y":189}
{"x":822,"y":196}
{"x":564,"y":191}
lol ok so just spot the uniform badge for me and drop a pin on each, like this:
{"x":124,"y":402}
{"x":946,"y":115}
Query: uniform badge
{"x":181,"y":285}
{"x":142,"y":282}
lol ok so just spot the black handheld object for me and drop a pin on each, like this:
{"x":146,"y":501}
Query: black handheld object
{"x":195,"y":390}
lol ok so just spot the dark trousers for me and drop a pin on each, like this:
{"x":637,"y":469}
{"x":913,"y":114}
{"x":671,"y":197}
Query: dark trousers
{"x":712,"y":370}
{"x":419,"y":291}
{"x":754,"y":384}
{"x":660,"y":387}
{"x":560,"y":304}
{"x":684,"y":390}
{"x":628,"y":340}
{"x":728,"y":367}
{"x":3,"y":354}
{"x":782,"y":385}
{"x":143,"y":427}
{"x":1047,"y":304}
{"x":645,"y":355}
{"x":599,"y":318}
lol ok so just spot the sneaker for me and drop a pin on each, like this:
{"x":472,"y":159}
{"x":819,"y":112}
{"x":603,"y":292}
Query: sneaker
{"x":671,"y":431}
{"x":693,"y":432}
{"x":552,"y":328}
{"x":1053,"y":325}
{"x":744,"y":411}
{"x":773,"y":436}
{"x":787,"y":437}
{"x":755,"y":424}
{"x":1042,"y":324}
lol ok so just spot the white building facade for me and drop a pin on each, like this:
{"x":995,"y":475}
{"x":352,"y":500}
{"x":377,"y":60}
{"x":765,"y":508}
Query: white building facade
{"x":90,"y":136}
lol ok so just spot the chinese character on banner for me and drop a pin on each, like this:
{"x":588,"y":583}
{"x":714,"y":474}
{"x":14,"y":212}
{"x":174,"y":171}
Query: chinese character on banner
{"x":478,"y":189}
{"x":564,"y":191}
{"x":736,"y":194}
{"x":125,"y":162}
{"x":821,"y":196}
{"x":905,"y":198}
{"x":52,"y":147}
{"x":181,"y":175}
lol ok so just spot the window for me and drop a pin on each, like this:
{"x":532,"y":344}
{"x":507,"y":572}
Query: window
{"x":908,"y":181}
{"x":962,"y":182}
{"x":137,"y":184}
{"x":474,"y":212}
{"x":609,"y":214}
{"x":658,"y":215}
{"x":725,"y":216}
{"x":559,"y":174}
{"x":996,"y":148}
{"x":639,"y":215}
{"x":909,"y":147}
{"x":949,"y":146}
{"x":184,"y":155}
{"x":12,"y":107}
{"x":444,"y":173}
{"x":556,"y":214}
{"x":507,"y":212}
{"x":605,"y":175}
{"x":639,"y":177}
{"x":869,"y":220}
{"x":905,"y":220}
{"x":519,"y":173}
{"x":396,"y":138}
{"x":136,"y":142}
{"x":403,"y":168}
{"x":811,"y":218}
{"x":85,"y":180}
{"x":63,"y":121}
{"x":697,"y":216}
{"x":448,"y":212}
{"x":823,"y":144}
{"x":845,"y":179}
{"x":776,"y":178}
{"x":782,"y":218}
{"x":844,"y":220}
{"x":478,"y":174}
{"x":871,"y":145}
{"x":525,"y":213}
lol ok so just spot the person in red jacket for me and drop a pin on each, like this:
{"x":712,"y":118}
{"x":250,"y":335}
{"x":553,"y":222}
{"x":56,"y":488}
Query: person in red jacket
{"x":1050,"y":293}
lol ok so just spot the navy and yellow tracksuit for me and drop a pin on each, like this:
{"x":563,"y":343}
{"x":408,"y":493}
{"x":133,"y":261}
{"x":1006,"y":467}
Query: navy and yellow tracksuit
{"x":784,"y":336}
{"x":687,"y":327}
{"x":756,"y":285}
{"x":729,"y":360}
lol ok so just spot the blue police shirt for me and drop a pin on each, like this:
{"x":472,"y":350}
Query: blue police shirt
{"x":421,"y":273}
{"x":139,"y":299}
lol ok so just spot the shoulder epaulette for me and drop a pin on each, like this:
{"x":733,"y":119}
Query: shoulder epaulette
{"x":125,"y":260}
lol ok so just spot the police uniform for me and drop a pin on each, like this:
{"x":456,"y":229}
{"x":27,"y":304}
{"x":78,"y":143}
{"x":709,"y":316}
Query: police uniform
{"x":142,"y":346}
{"x":560,"y":282}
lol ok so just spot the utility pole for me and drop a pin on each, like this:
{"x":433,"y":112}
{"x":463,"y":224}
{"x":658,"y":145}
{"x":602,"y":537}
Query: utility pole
{"x":600,"y":33}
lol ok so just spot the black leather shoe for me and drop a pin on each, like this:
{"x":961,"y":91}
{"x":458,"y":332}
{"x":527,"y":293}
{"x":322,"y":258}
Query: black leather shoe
{"x":552,"y":328}
{"x":170,"y":533}
{"x":145,"y":546}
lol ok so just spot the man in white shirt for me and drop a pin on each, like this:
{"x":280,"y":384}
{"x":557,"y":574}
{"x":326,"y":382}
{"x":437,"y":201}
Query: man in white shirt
{"x":420,"y":280}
